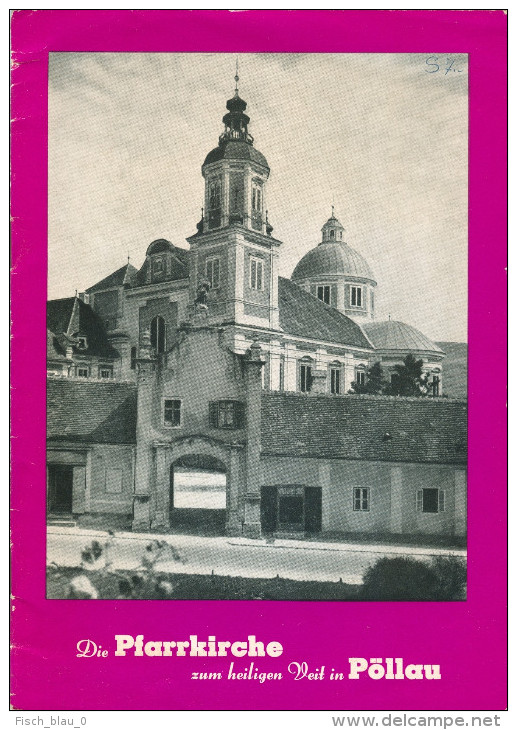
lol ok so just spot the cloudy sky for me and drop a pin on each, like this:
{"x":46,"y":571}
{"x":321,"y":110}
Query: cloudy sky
{"x":383,"y":137}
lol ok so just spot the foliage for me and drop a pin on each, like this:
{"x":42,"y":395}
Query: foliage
{"x":409,"y":379}
{"x":144,"y":582}
{"x":375,"y":382}
{"x":408,"y":579}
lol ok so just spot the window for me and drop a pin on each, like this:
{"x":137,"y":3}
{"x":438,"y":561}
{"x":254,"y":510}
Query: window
{"x":356,"y":296}
{"x":214,"y":203}
{"x":105,"y":372}
{"x":361,"y":498}
{"x":82,"y":372}
{"x":82,"y":343}
{"x":335,"y":380}
{"x":172,"y":413}
{"x":212,"y":272}
{"x":332,"y":235}
{"x":430,"y":500}
{"x":256,"y":274}
{"x":436,"y":386}
{"x":133,"y":358}
{"x":324,"y":294}
{"x":256,"y":206}
{"x":281,"y":374}
{"x":158,"y":265}
{"x":360,"y":377}
{"x":305,"y":378}
{"x":158,"y":334}
{"x":226,"y":414}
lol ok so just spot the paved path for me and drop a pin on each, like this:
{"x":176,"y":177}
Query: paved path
{"x":292,"y":559}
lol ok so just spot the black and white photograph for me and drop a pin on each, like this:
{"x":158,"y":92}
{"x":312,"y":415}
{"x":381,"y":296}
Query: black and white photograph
{"x":257,"y":326}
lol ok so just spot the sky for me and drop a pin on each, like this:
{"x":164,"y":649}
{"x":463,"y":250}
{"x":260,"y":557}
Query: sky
{"x":382,"y":137}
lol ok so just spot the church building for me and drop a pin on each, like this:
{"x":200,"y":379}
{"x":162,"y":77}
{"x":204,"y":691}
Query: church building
{"x":207,"y":355}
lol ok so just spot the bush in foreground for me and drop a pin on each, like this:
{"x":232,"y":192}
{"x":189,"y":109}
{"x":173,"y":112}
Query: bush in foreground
{"x":408,"y":579}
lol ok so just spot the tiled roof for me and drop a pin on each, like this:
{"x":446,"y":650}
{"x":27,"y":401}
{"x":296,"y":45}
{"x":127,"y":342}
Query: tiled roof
{"x":235,"y":149}
{"x":91,"y":412}
{"x":72,"y":316}
{"x":393,"y":335}
{"x":304,"y":315}
{"x":371,"y":428}
{"x":114,"y":279}
{"x":55,"y":351}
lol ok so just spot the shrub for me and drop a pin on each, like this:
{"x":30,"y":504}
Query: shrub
{"x":399,"y":579}
{"x":451,"y":572}
{"x":408,"y":579}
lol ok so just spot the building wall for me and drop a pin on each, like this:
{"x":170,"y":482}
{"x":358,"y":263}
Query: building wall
{"x":110,"y":479}
{"x":393,"y":489}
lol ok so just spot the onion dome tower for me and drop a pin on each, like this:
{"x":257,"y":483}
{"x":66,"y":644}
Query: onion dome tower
{"x":233,"y":254}
{"x":337,"y":274}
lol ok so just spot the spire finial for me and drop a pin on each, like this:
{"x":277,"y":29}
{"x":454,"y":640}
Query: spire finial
{"x":332,"y":211}
{"x":128,"y":258}
{"x":237,"y":76}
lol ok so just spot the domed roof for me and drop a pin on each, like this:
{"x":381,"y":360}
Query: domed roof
{"x":335,"y":257}
{"x":159,"y":246}
{"x":333,"y":222}
{"x":235,"y":149}
{"x":392,"y":335}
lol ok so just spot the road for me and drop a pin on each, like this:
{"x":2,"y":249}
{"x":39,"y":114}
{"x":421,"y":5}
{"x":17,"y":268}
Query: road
{"x":229,"y":556}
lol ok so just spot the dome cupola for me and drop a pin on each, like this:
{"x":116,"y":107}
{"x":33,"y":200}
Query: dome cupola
{"x":338,"y":274}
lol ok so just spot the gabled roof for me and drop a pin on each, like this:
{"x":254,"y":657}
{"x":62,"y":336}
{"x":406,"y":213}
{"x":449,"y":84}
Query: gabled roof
{"x":304,"y":315}
{"x":114,"y":279}
{"x":91,"y":412}
{"x":370,"y":428}
{"x":70,"y":317}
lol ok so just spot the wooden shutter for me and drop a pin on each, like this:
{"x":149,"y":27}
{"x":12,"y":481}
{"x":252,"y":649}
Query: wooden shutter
{"x":79,"y":490}
{"x":313,"y":509}
{"x":239,"y":414}
{"x":314,"y":290}
{"x":268,"y":509}
{"x":419,"y":500}
{"x":213,"y":413}
{"x":441,"y":500}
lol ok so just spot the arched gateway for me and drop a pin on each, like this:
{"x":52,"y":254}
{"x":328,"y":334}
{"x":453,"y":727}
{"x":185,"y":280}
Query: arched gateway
{"x":199,"y":485}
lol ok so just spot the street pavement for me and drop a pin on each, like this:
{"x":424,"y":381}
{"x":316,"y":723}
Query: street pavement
{"x":292,"y":559}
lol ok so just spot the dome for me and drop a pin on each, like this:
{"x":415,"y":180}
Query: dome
{"x":236,"y":149}
{"x":332,"y":258}
{"x":392,"y":335}
{"x":161,"y":245}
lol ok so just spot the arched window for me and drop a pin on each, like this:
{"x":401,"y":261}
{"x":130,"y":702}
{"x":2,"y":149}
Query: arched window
{"x":158,"y":334}
{"x":332,"y":235}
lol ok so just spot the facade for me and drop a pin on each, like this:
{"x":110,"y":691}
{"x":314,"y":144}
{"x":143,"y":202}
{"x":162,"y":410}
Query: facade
{"x":216,"y":357}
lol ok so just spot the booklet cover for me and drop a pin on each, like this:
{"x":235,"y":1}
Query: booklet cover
{"x":255,"y":463}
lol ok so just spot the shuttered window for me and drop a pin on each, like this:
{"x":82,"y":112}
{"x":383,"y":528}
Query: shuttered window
{"x":226,"y":414}
{"x":430,"y":500}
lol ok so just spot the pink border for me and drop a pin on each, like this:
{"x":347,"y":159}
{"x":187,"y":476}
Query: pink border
{"x":467,"y":639}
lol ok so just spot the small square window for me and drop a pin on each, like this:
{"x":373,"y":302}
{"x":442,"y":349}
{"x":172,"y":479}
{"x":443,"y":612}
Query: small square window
{"x":430,"y":500}
{"x":105,"y":373}
{"x":172,"y":413}
{"x":82,"y":343}
{"x":361,"y":496}
{"x":82,"y":372}
{"x":226,"y":414}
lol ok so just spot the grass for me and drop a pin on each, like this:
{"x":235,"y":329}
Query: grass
{"x":205,"y":587}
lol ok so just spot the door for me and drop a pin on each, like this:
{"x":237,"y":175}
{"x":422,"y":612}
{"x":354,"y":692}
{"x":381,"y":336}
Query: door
{"x":268,"y":509}
{"x":291,"y":509}
{"x":60,"y":488}
{"x":313,"y":509}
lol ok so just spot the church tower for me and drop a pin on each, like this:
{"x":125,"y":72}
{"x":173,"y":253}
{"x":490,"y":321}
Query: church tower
{"x":234,"y":258}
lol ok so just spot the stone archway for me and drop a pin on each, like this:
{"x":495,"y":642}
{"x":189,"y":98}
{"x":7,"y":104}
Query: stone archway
{"x":203,"y":450}
{"x":198,"y":495}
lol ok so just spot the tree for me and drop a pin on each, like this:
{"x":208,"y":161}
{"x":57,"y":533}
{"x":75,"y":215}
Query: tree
{"x":409,"y":378}
{"x":375,"y":382}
